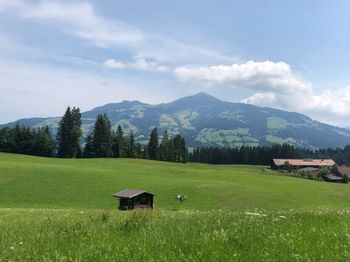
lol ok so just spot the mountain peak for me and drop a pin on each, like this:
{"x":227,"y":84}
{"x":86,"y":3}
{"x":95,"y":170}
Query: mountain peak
{"x":196,"y":100}
{"x":203,"y":95}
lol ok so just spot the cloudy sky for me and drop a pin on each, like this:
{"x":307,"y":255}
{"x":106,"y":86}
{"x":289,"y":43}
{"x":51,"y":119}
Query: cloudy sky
{"x":293,"y":56}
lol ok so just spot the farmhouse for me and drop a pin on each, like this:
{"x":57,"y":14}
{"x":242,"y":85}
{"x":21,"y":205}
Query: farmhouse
{"x":344,"y":170}
{"x":302,"y":163}
{"x":134,"y":198}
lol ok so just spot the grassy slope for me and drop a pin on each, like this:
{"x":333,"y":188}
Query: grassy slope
{"x":89,"y":183}
{"x":29,"y":231}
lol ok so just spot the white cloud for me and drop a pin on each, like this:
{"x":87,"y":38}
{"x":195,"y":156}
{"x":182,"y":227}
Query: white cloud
{"x":262,"y":75}
{"x":138,"y":64}
{"x":111,"y":63}
{"x":79,"y":19}
{"x":274,"y":84}
{"x":330,"y":106}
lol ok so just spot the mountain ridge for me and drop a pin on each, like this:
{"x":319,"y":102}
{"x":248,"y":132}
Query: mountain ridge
{"x":205,"y":120}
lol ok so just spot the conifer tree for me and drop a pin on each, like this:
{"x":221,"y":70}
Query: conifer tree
{"x":76,"y":132}
{"x":102,"y":137}
{"x":89,"y":150}
{"x":119,"y":143}
{"x":138,"y":151}
{"x":69,"y":133}
{"x":153,"y":145}
{"x":165,"y":148}
{"x":131,"y":146}
{"x":43,"y":144}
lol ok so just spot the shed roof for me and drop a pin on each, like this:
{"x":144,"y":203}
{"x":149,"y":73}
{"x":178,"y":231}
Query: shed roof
{"x":344,"y":170}
{"x":334,"y":177}
{"x":130,"y":193}
{"x":305,"y":162}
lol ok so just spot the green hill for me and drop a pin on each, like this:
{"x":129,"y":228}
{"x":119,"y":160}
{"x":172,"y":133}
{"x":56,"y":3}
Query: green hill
{"x":63,"y":210}
{"x":27,"y":181}
{"x":206,"y":121}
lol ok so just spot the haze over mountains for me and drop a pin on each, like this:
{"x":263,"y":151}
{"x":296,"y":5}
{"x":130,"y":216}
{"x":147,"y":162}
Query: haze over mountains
{"x":206,"y":121}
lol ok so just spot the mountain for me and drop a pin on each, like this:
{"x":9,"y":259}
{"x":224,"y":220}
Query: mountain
{"x":207,"y":121}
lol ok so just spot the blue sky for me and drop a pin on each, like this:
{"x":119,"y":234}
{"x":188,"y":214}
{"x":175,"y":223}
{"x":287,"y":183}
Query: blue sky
{"x":289,"y":55}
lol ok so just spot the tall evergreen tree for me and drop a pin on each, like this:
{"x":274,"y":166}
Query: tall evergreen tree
{"x":138,"y":151}
{"x":119,"y":146}
{"x":145,"y":154}
{"x":131,"y":146}
{"x":69,"y":133}
{"x":76,"y":132}
{"x":102,"y":137}
{"x":166,"y":148}
{"x":180,"y":152}
{"x":89,"y":150}
{"x":153,"y":145}
{"x":184,"y":151}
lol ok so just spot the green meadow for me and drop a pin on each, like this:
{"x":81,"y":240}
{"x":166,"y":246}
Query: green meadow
{"x":63,"y":210}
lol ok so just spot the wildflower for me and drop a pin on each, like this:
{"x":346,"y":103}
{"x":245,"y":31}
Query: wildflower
{"x":12,"y":248}
{"x":21,"y":243}
{"x":255,"y":214}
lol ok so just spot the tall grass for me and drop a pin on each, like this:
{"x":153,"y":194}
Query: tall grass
{"x":66,"y":235}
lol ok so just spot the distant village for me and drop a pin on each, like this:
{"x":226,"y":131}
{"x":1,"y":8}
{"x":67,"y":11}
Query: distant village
{"x":314,"y":169}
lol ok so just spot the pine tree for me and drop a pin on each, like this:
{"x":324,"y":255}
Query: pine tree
{"x":43,"y":144}
{"x":131,"y":146}
{"x":102,"y":137}
{"x":76,"y":132}
{"x":89,"y":150}
{"x":153,"y":145}
{"x":184,"y":151}
{"x":180,"y":152}
{"x":165,"y":148}
{"x":7,"y":140}
{"x":145,"y":154}
{"x":69,"y":133}
{"x":138,"y":151}
{"x":119,"y":146}
{"x":177,"y":148}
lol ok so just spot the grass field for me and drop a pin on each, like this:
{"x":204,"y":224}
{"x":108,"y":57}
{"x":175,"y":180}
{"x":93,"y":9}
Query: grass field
{"x":63,"y":210}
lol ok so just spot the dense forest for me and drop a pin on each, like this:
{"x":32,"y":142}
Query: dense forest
{"x":104,"y":142}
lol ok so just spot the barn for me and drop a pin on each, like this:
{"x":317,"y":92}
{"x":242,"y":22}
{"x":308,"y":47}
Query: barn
{"x":302,"y":163}
{"x":134,"y":198}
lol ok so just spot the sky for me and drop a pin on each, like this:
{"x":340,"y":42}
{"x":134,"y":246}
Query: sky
{"x":290,"y":55}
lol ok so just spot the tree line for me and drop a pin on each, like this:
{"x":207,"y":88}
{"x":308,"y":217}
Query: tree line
{"x":23,"y":140}
{"x":263,"y":155}
{"x":102,"y":142}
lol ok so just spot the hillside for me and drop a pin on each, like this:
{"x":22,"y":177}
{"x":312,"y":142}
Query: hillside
{"x":90,"y":183}
{"x":207,"y":121}
{"x":63,"y":210}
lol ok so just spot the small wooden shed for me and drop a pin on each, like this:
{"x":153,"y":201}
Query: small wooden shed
{"x":134,"y":198}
